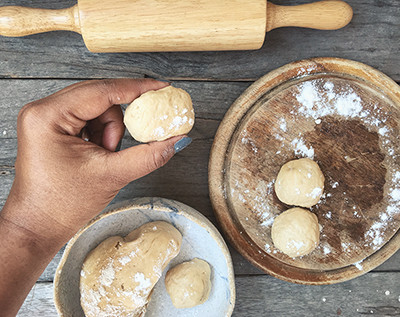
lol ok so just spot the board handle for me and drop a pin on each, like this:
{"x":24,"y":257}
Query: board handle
{"x":20,"y":21}
{"x":322,"y":15}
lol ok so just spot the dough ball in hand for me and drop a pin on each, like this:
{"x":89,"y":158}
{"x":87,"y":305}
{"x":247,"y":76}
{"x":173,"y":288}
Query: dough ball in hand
{"x":300,"y":183}
{"x":295,"y":232}
{"x":188,"y":284}
{"x":118,"y":276}
{"x":158,"y":115}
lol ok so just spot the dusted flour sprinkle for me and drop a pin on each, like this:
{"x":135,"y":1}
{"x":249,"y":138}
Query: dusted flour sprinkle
{"x":159,"y":132}
{"x":317,"y":105}
{"x":283,"y":125}
{"x":246,"y":139}
{"x":327,"y":250}
{"x":143,"y":283}
{"x":125,"y":259}
{"x":178,"y":122}
{"x":316,"y":192}
{"x":374,"y":236}
{"x":107,"y":275}
{"x":320,"y":98}
{"x":358,"y":265}
{"x":301,"y":149}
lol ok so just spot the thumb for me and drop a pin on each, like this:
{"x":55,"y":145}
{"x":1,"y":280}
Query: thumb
{"x":138,"y":161}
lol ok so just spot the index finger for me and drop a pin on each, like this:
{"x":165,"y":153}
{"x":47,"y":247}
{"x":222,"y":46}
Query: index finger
{"x":90,"y":99}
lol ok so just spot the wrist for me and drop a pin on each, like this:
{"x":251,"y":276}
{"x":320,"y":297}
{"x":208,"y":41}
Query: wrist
{"x":13,"y":235}
{"x":23,"y":257}
{"x":21,"y":221}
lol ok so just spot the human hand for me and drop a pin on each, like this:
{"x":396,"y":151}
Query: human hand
{"x":62,"y":181}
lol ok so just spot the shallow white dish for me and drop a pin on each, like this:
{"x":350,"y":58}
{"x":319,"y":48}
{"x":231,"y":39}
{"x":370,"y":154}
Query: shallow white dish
{"x":200,"y":239}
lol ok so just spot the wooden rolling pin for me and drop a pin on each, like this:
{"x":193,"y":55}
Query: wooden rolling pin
{"x":173,"y":25}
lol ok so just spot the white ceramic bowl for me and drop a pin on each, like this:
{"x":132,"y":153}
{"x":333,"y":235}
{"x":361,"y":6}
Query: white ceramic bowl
{"x":200,"y":239}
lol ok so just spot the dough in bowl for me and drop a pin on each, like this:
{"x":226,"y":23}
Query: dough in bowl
{"x":158,"y":115}
{"x":300,"y":183}
{"x":118,"y":276}
{"x":295,"y":232}
{"x":188,"y":284}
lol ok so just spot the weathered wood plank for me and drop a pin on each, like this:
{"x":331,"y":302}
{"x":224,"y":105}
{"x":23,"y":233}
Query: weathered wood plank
{"x":375,"y":294}
{"x":63,"y":54}
{"x":211,"y":100}
{"x":39,"y":302}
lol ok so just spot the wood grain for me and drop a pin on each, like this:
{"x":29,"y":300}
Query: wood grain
{"x":22,"y":21}
{"x":211,"y":101}
{"x":267,"y":296}
{"x":64,"y":55}
{"x":172,"y":25}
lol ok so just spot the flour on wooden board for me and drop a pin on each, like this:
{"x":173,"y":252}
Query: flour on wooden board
{"x":317,"y":99}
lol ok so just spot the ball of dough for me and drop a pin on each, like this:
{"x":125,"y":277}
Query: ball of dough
{"x":188,"y":284}
{"x":158,"y":115}
{"x":300,"y":183}
{"x":118,"y":276}
{"x":295,"y":232}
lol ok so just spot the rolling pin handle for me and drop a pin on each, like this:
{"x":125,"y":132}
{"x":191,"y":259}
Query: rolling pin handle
{"x":18,"y":21}
{"x":322,"y":15}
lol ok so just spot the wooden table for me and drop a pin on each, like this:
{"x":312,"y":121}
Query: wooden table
{"x":35,"y":66}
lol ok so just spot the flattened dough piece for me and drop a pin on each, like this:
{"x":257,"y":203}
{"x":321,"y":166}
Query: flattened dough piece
{"x":295,"y":232}
{"x":118,"y":276}
{"x":300,"y":183}
{"x":189,"y":284}
{"x":158,"y":115}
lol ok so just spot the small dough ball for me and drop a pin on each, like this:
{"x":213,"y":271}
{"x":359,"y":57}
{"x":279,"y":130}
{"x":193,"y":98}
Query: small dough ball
{"x":188,"y":284}
{"x":300,"y":183}
{"x":118,"y":276}
{"x":158,"y":115}
{"x":295,"y":232}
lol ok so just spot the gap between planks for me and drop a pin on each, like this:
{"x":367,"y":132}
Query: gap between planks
{"x":144,"y":76}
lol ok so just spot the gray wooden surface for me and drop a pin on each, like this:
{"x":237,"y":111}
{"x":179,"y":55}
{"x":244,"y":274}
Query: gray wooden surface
{"x":35,"y":66}
{"x":374,"y":294}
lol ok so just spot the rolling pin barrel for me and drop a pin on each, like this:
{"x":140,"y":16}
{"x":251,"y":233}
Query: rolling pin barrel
{"x":173,"y":25}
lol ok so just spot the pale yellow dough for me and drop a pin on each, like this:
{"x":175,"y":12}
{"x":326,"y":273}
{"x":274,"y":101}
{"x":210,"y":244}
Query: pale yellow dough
{"x":300,"y":183}
{"x":188,"y":284}
{"x":295,"y":232}
{"x":158,"y":115}
{"x":118,"y":276}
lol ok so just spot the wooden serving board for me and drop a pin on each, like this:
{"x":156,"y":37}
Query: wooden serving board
{"x":344,"y":115}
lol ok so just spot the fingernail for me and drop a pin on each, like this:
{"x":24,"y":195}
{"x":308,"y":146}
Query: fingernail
{"x":182,"y":143}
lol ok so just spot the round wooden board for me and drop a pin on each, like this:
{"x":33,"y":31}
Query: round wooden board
{"x":343,"y":114}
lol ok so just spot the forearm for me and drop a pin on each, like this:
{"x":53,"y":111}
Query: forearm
{"x":23,"y":257}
